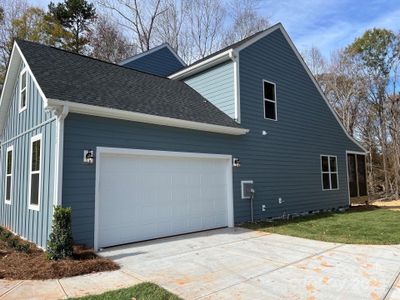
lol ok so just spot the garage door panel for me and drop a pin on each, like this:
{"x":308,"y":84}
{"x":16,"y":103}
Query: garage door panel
{"x":143,"y":197}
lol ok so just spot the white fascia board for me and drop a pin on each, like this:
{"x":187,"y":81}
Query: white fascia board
{"x":300,"y":58}
{"x":106,"y":112}
{"x":155,"y":49}
{"x":203,"y":65}
{"x":8,"y":88}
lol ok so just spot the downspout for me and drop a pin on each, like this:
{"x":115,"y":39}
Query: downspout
{"x":61,"y":115}
{"x":234,"y":56}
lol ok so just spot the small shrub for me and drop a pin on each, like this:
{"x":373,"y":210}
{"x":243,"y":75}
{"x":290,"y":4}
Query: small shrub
{"x":23,"y":247}
{"x":60,"y":242}
{"x":13,"y":242}
{"x":5,"y":235}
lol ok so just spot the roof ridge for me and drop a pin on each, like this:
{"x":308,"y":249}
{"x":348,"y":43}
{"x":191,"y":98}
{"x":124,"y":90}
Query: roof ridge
{"x":89,"y":57}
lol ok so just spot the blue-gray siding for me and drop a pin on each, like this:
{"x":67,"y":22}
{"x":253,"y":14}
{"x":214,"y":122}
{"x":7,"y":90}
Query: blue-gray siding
{"x":284,"y":163}
{"x":161,"y":62}
{"x":20,"y":127}
{"x":217,"y":86}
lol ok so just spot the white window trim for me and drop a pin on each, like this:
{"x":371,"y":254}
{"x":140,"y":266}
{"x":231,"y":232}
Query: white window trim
{"x":9,"y":149}
{"x":35,"y":138}
{"x":329,"y":172}
{"x":24,"y":71}
{"x":269,"y":100}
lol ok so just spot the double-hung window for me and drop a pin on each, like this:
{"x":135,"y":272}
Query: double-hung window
{"x":23,"y":83}
{"x":9,"y":174}
{"x":270,"y":111}
{"x":329,"y":172}
{"x":35,"y":172}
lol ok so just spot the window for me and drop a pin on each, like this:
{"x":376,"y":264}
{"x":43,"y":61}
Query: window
{"x":34,"y":178}
{"x":269,"y":100}
{"x":23,"y":83}
{"x":329,"y":172}
{"x":9,"y":172}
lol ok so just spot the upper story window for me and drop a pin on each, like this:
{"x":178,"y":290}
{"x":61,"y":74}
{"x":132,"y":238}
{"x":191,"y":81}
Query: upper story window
{"x":329,"y":172}
{"x":23,"y":83}
{"x":35,"y":172}
{"x":9,"y":174}
{"x":270,"y":111}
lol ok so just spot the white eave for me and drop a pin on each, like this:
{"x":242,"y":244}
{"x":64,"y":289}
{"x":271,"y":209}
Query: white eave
{"x":203,"y":65}
{"x":142,"y":118}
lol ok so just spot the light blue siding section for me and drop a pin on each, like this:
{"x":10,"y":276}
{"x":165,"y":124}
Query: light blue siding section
{"x":20,"y":127}
{"x":217,"y":86}
{"x":284,"y":163}
{"x":161,"y":62}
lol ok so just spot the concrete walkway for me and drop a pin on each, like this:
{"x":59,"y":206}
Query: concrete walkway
{"x":236,"y":264}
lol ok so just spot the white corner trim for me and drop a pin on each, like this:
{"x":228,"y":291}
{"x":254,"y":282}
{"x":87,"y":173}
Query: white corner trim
{"x":144,"y":118}
{"x":236,"y":84}
{"x":152,"y":50}
{"x":100,"y":151}
{"x":203,"y":65}
{"x":58,"y":180}
{"x":33,"y":139}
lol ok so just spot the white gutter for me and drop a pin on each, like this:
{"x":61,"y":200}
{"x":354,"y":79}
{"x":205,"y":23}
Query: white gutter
{"x":106,"y":112}
{"x":212,"y":61}
{"x":58,"y":180}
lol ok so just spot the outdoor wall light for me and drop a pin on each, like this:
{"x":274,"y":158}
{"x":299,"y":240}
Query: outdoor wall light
{"x":88,"y":157}
{"x":236,"y":162}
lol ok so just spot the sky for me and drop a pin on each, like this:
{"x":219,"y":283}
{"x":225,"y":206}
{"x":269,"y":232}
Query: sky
{"x":326,"y":24}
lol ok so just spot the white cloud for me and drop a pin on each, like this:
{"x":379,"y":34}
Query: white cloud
{"x":330,"y":25}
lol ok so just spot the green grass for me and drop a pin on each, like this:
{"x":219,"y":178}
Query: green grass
{"x":375,"y":226}
{"x":142,"y":291}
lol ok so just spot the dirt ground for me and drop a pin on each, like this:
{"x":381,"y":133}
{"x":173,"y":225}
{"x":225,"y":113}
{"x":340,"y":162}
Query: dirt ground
{"x":392,"y":205}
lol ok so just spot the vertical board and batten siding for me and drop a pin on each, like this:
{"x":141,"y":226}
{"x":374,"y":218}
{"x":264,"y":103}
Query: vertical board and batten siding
{"x":284,"y":163}
{"x":217,"y":86}
{"x":20,"y":127}
{"x":161,"y":62}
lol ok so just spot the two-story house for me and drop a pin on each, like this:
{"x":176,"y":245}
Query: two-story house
{"x":153,"y":148}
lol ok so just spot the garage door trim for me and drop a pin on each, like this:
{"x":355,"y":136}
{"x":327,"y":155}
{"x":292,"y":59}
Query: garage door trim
{"x":125,"y":151}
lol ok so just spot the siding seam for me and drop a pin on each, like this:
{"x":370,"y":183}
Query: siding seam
{"x":28,"y":131}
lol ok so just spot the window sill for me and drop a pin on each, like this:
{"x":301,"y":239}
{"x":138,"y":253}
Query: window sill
{"x":33,"y":207}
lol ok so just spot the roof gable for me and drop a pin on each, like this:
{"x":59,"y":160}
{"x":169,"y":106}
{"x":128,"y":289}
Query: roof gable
{"x":161,"y":60}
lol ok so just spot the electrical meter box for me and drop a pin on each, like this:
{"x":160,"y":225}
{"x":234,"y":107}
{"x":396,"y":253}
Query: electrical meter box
{"x":247,"y":188}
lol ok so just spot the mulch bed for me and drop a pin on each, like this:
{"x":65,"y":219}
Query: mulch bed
{"x":32,"y":263}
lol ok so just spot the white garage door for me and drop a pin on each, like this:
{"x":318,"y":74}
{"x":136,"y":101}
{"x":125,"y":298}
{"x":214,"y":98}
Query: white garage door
{"x":143,"y":194}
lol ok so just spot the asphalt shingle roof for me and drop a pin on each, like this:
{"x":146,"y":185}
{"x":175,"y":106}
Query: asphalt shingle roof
{"x":66,"y":76}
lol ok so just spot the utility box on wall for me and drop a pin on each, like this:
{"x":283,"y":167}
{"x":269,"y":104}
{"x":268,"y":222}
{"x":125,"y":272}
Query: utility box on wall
{"x":247,"y":189}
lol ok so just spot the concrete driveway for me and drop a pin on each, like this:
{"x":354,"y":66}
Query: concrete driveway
{"x":243,"y":264}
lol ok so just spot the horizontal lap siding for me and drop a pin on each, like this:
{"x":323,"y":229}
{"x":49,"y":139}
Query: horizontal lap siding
{"x":284,"y":163}
{"x":161,"y":62}
{"x":30,"y":224}
{"x":217,"y":86}
{"x":84,"y":132}
{"x":306,"y":128}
